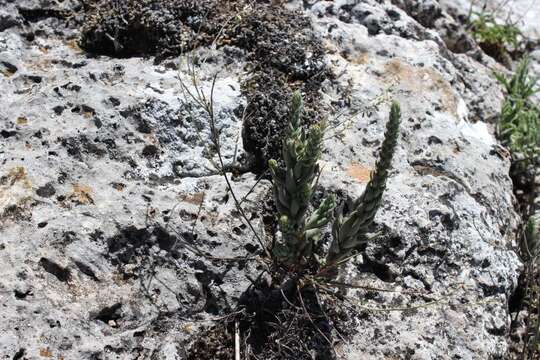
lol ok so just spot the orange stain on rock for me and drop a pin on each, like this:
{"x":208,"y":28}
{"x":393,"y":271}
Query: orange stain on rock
{"x":195,"y":199}
{"x":45,"y":352}
{"x":82,"y":194}
{"x":359,"y":172}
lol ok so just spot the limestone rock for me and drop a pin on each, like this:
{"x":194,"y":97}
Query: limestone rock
{"x":120,"y":239}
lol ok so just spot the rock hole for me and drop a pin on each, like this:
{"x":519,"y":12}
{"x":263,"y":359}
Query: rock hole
{"x":150,"y":150}
{"x":237,"y":230}
{"x":7,"y":133}
{"x":86,"y":270}
{"x":434,"y":140}
{"x":87,"y":109}
{"x":34,"y":78}
{"x":109,"y":313}
{"x":21,"y":295}
{"x":19,"y":354}
{"x":114,"y":101}
{"x":382,"y":271}
{"x":251,"y":248}
{"x":7,"y":69}
{"x":61,"y":273}
{"x":58,"y":109}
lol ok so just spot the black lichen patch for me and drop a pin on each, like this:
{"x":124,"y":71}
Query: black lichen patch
{"x":46,"y":190}
{"x":143,"y":27}
{"x":17,"y":212}
{"x":81,"y":146}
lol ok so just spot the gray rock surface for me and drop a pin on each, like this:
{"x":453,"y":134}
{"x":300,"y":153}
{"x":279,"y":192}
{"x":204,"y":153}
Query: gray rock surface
{"x":119,"y":239}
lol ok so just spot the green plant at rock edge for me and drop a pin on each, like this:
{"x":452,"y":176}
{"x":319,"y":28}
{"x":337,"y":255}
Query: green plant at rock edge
{"x":284,"y":295}
{"x":519,"y":125}
{"x":530,"y":301}
{"x":485,"y":29}
{"x":519,"y":130}
{"x":521,"y":85}
{"x":294,"y":185}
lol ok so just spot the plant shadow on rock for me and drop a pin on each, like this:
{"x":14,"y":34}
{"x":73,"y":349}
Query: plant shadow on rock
{"x":132,"y":241}
{"x":137,"y":254}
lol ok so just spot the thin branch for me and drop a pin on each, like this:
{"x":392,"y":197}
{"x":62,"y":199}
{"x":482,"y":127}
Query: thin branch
{"x":208,"y":106}
{"x":236,"y":340}
{"x":259,"y":178}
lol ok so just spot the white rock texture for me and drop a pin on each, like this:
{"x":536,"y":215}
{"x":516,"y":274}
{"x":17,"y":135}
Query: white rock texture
{"x":114,"y":221}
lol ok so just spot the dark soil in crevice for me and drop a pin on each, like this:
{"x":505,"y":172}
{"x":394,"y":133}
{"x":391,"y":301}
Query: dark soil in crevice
{"x":522,"y":304}
{"x":34,"y":15}
{"x":498,"y":52}
{"x":277,"y":322}
{"x":268,"y":95}
{"x":524,"y":188}
{"x":286,"y":56}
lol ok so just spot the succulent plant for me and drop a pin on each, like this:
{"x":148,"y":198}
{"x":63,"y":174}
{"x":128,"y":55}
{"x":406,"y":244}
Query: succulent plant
{"x":293,"y":188}
{"x":294,"y":184}
{"x":349,"y":231}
